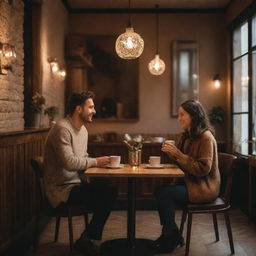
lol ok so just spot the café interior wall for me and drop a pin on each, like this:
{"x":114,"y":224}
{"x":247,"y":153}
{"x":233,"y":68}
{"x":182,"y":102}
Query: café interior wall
{"x":235,"y":9}
{"x":53,"y":31}
{"x":155,"y":91}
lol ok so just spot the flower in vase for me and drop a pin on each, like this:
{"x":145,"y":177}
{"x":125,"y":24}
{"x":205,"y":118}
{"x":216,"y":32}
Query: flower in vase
{"x":37,"y":103}
{"x":133,"y":143}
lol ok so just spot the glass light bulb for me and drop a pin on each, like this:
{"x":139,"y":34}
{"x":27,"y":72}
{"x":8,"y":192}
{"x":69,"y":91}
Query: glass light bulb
{"x":156,"y":66}
{"x":62,"y":74}
{"x":9,"y":51}
{"x":129,"y":45}
{"x":54,"y":66}
{"x":217,"y":83}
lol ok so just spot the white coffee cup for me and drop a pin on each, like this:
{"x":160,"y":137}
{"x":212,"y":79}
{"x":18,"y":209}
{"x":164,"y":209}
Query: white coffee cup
{"x":169,"y":141}
{"x":154,"y":160}
{"x":115,"y":161}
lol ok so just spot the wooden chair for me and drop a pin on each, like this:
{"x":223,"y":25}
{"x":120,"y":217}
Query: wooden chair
{"x":221,"y":204}
{"x":63,"y":210}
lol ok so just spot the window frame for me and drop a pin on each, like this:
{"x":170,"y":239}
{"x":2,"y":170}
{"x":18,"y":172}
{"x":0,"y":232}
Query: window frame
{"x":238,"y":23}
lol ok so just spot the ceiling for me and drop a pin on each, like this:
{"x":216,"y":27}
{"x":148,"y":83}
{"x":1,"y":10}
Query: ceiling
{"x":146,"y":5}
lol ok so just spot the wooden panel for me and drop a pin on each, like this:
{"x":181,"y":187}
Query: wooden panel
{"x":18,"y":201}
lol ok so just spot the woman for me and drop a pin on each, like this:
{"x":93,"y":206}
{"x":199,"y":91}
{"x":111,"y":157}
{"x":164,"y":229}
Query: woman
{"x":196,"y":155}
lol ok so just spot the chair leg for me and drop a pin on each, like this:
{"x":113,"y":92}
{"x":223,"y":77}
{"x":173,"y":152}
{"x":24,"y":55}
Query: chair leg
{"x":215,"y":223}
{"x":57,"y":228}
{"x":86,"y":219}
{"x":230,"y":237}
{"x":70,"y":229}
{"x":36,"y":234}
{"x":188,"y":233}
{"x":183,"y":220}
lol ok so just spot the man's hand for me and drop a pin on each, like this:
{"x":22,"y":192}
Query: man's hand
{"x":102,"y":161}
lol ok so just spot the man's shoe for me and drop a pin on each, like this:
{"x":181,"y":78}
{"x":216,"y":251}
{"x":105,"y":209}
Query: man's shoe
{"x":87,"y":247}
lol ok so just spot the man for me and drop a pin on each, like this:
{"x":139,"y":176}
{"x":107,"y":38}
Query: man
{"x":65,"y":160}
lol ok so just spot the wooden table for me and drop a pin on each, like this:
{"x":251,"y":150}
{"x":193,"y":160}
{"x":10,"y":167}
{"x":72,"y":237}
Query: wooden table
{"x":131,"y":245}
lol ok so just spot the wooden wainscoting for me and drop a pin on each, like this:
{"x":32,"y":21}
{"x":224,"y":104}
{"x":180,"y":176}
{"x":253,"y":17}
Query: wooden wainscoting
{"x":18,"y":197}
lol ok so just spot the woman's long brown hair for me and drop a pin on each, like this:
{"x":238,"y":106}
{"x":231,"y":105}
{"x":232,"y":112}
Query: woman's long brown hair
{"x":200,"y":122}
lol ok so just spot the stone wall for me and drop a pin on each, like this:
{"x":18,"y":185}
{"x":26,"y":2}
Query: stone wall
{"x":12,"y":85}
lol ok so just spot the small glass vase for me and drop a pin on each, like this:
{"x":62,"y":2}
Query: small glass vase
{"x":135,"y":158}
{"x":36,"y":120}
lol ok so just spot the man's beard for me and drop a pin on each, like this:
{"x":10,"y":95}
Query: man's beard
{"x":84,"y":118}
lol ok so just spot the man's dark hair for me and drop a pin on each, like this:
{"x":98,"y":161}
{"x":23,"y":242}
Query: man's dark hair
{"x":78,"y":99}
{"x":200,"y":121}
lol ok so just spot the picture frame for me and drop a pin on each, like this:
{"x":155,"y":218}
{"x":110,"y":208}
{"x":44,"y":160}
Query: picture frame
{"x":185,"y":73}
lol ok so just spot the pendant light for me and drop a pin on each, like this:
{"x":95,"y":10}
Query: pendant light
{"x":156,"y":66}
{"x":129,"y":45}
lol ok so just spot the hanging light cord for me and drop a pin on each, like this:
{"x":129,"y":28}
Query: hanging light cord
{"x":129,"y":21}
{"x":157,"y":29}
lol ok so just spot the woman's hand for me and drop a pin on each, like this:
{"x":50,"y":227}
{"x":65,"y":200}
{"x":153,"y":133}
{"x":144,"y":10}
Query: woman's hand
{"x":172,"y":151}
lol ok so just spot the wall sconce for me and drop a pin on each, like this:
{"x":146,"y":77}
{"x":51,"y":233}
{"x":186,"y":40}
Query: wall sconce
{"x":7,"y":55}
{"x":54,"y":64}
{"x":62,"y":74}
{"x":216,"y":81}
{"x":56,"y":69}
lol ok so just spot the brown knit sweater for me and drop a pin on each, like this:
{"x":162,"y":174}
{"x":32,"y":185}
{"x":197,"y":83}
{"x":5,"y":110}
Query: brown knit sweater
{"x":200,"y":164}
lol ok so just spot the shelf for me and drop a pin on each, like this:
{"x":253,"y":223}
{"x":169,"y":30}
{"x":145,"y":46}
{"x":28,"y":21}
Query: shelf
{"x":115,"y":120}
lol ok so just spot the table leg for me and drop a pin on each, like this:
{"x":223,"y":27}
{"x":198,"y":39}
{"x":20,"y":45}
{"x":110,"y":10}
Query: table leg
{"x":130,"y":246}
{"x":131,"y":211}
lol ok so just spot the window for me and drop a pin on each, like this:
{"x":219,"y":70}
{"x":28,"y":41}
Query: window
{"x":244,"y":87}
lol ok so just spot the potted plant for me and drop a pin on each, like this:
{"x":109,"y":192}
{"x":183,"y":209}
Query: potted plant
{"x":216,"y":115}
{"x":37,"y":104}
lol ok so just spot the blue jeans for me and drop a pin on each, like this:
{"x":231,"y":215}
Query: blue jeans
{"x":168,"y":197}
{"x":100,"y":199}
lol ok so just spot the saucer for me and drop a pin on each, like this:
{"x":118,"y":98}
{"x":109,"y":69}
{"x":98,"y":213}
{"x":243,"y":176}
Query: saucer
{"x":115,"y":167}
{"x":155,"y":167}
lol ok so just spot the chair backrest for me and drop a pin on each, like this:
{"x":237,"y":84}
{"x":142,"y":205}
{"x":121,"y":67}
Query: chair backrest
{"x":37,"y":164}
{"x":226,"y":166}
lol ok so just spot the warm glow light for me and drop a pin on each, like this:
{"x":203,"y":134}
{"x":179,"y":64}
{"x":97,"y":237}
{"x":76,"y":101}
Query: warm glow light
{"x":217,"y":84}
{"x":129,"y":45}
{"x":54,"y":65}
{"x":8,"y":51}
{"x":216,"y":81}
{"x":62,"y":74}
{"x":156,"y":66}
{"x":7,"y":55}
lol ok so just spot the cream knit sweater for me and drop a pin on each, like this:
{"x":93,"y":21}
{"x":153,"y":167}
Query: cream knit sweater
{"x":65,"y":159}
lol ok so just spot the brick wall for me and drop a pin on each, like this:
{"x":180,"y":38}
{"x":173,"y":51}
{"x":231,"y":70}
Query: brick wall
{"x":12,"y":85}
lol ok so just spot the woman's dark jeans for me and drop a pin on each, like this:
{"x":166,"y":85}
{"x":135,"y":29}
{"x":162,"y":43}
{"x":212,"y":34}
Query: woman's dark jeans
{"x":168,"y":197}
{"x":100,"y":199}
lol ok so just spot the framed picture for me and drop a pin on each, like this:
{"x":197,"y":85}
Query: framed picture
{"x":185,"y":73}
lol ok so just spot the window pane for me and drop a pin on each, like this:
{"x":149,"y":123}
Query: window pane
{"x":240,"y":134}
{"x":254,"y":100}
{"x":254,"y":31}
{"x":240,"y":40}
{"x":240,"y":84}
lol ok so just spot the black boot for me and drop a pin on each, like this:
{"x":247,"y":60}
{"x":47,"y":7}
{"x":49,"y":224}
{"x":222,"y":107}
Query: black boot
{"x":168,"y":242}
